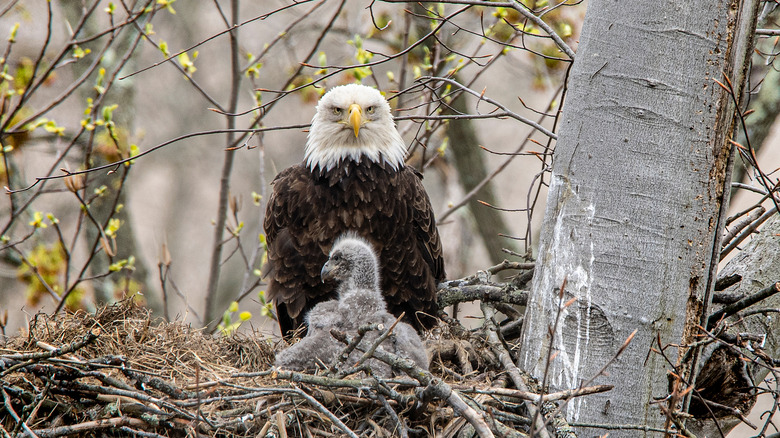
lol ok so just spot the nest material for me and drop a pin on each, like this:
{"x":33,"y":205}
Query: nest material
{"x":171,"y":351}
{"x":118,"y":372}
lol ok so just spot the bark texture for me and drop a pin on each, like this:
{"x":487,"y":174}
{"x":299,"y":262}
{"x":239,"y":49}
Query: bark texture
{"x":633,"y":210}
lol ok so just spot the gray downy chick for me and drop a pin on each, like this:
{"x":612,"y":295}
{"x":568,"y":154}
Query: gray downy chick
{"x":318,"y":344}
{"x":354,"y":264}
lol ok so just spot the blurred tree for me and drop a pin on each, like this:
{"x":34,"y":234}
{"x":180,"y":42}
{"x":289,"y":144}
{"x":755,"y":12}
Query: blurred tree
{"x":106,"y":147}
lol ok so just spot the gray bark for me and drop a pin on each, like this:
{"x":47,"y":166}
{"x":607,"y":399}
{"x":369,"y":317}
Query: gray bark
{"x":759,"y":266}
{"x":636,"y":195}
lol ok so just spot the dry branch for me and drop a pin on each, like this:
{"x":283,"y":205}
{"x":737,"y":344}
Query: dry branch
{"x":453,"y":292}
{"x":743,"y":304}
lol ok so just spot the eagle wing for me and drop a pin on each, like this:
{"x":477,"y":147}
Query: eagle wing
{"x":427,"y":233}
{"x":293,"y":267}
{"x":410,"y":284}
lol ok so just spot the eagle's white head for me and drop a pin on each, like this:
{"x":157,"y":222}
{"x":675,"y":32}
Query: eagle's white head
{"x":353,"y":121}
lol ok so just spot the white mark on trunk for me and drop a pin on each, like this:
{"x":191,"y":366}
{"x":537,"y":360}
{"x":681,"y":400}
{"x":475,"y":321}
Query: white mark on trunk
{"x":569,"y":251}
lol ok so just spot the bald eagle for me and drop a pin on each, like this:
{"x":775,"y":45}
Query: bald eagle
{"x":353,"y":177}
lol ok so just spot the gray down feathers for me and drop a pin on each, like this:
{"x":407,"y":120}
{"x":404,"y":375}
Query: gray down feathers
{"x":353,"y":263}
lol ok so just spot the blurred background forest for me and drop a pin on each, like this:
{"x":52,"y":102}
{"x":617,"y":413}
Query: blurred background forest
{"x":166,"y":211}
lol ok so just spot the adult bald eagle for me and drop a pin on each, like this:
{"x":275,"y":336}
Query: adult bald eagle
{"x":353,"y":177}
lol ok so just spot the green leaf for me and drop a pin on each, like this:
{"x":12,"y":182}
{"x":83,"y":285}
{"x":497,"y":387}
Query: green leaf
{"x":108,"y":111}
{"x":79,"y":53}
{"x":117,"y":266}
{"x":113,"y":227}
{"x":14,"y":30}
{"x":188,"y":64}
{"x":167,"y":5}
{"x":37,"y":221}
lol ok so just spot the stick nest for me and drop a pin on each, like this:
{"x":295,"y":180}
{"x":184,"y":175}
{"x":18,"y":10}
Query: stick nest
{"x":118,"y":372}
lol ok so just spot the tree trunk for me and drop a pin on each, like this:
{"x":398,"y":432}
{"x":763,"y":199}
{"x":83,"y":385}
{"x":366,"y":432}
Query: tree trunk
{"x":636,"y":196}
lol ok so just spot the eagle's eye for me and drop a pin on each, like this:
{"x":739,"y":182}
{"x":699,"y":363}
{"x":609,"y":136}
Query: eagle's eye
{"x":337,"y":111}
{"x":370,"y":110}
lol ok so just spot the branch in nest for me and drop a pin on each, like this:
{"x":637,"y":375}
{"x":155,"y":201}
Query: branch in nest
{"x":434,"y":386}
{"x":89,"y":426}
{"x":370,"y":351}
{"x":451,"y":293}
{"x":31,"y":358}
{"x":742,"y":304}
{"x":356,"y":384}
{"x":342,"y":358}
{"x":322,"y":409}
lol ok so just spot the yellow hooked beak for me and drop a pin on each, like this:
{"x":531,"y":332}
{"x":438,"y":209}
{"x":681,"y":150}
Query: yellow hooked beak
{"x":355,"y":118}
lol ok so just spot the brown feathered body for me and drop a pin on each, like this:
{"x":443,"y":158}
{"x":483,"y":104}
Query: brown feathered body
{"x":310,"y":208}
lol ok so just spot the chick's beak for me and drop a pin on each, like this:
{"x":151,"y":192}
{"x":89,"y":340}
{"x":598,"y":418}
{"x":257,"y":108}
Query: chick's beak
{"x":355,"y":118}
{"x":327,"y":271}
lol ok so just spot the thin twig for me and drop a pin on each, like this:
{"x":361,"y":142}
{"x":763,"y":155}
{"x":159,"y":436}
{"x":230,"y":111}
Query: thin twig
{"x":322,"y":409}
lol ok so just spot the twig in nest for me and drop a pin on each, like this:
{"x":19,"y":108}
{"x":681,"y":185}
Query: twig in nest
{"x":342,"y":358}
{"x":95,"y":425}
{"x":742,"y":304}
{"x":31,"y":358}
{"x":434,"y":386}
{"x":370,"y":351}
{"x":322,"y":409}
{"x":356,"y":384}
{"x":14,"y":415}
{"x":400,"y":424}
